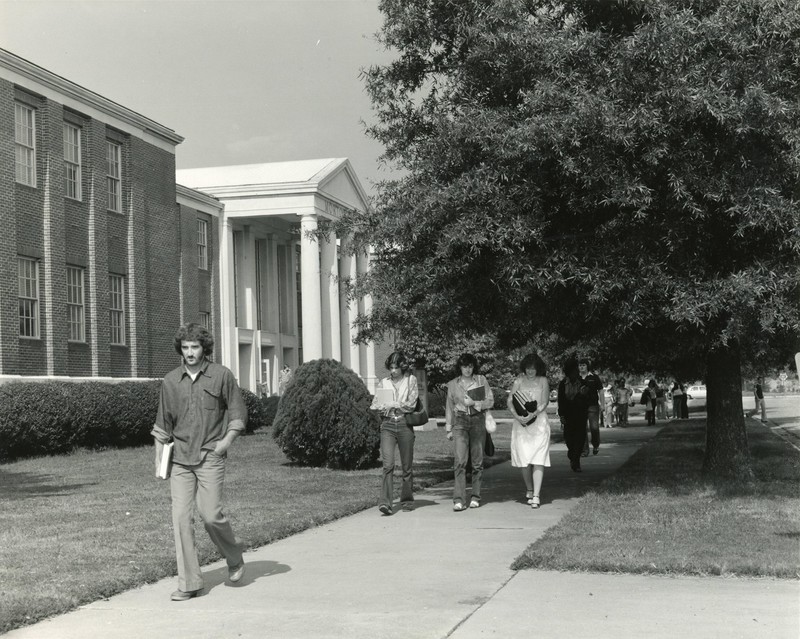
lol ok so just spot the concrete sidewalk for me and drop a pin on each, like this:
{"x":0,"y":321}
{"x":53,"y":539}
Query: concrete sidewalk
{"x":432,"y":573}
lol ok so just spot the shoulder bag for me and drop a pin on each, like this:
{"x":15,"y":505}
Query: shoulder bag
{"x":419,"y":417}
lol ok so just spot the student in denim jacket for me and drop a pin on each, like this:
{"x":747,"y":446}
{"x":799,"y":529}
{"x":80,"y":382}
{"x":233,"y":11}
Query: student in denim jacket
{"x":465,"y":424}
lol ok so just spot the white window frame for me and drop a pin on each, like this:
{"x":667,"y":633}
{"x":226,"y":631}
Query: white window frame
{"x":202,"y":244}
{"x":76,"y":307}
{"x":72,"y":162}
{"x":114,"y":176}
{"x":28,"y":293}
{"x":25,"y":143}
{"x":116,"y":309}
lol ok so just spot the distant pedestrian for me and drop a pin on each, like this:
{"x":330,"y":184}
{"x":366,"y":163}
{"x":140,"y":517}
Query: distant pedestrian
{"x":677,"y":399}
{"x":573,"y":407}
{"x":661,"y":402}
{"x":685,"y":405}
{"x":283,"y":379}
{"x":608,"y":405}
{"x":594,"y":393}
{"x":401,"y":392}
{"x":530,"y":434}
{"x":202,"y":411}
{"x":468,"y":398}
{"x":649,"y":401}
{"x":622,"y":397}
{"x":758,"y":396}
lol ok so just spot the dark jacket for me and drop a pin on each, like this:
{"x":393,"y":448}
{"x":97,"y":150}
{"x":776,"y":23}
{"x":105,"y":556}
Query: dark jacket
{"x":575,"y":407}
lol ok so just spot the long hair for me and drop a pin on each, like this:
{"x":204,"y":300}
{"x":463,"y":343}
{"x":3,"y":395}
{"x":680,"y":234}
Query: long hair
{"x":194,"y":333}
{"x":533,"y":360}
{"x":397,"y":359}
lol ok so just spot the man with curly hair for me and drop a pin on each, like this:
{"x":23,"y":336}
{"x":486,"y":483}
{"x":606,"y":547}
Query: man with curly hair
{"x":201,"y":411}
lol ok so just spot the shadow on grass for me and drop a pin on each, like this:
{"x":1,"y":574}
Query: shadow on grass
{"x":22,"y":485}
{"x":673,"y":462}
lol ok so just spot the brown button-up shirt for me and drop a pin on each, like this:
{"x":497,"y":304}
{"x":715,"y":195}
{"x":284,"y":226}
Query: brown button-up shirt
{"x":198,"y":413}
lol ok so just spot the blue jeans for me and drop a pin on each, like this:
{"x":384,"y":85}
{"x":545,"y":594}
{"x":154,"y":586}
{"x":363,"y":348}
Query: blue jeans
{"x":401,"y":434}
{"x":469,"y":437}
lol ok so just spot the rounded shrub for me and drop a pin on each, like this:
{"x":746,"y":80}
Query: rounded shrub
{"x":260,"y":410}
{"x":324,"y":419}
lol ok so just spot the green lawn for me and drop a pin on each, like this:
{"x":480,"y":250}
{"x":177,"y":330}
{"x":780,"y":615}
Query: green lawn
{"x":80,"y":527}
{"x":657,"y":514}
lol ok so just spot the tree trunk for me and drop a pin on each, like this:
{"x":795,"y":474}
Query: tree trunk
{"x":727,"y":455}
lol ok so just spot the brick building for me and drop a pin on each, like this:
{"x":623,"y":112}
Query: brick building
{"x":101,"y":256}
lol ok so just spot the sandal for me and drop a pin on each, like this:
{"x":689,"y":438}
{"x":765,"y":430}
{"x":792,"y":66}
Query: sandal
{"x":535,"y":501}
{"x":529,"y":497}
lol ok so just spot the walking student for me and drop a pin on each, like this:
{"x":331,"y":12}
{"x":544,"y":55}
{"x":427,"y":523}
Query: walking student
{"x":593,"y":394}
{"x":573,"y":406}
{"x":530,"y":434}
{"x":202,"y":411}
{"x":401,"y":386}
{"x":468,"y":398}
{"x":758,"y":396}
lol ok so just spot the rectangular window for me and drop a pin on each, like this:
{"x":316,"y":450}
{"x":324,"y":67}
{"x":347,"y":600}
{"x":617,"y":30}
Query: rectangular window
{"x":202,"y":244}
{"x":28,"y":280}
{"x":114,"y":176}
{"x":25,"y":142}
{"x":72,"y":161}
{"x":116,"y":309}
{"x":75,"y":307}
{"x":205,"y":320}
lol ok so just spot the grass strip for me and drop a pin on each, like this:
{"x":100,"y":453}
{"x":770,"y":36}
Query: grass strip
{"x":81,"y":527}
{"x":659,"y":515}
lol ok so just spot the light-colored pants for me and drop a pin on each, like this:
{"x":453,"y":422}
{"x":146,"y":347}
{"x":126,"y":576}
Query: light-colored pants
{"x":762,"y":407}
{"x":201,"y":484}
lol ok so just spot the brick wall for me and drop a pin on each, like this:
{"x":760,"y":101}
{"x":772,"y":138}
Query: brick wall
{"x":141,"y":243}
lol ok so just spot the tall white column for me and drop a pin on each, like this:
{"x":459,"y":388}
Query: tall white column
{"x":329,"y":272}
{"x":309,"y":280}
{"x":352,"y":315}
{"x":369,"y":377}
{"x":345,"y":264}
{"x":229,"y":352}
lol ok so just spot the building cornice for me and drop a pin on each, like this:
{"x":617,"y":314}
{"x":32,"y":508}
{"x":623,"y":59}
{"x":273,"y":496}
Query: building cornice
{"x":61,"y":86}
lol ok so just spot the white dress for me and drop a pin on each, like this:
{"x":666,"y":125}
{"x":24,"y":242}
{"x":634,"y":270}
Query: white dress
{"x":530,"y":444}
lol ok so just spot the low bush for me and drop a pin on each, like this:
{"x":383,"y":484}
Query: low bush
{"x":49,"y":418}
{"x":323,"y":418}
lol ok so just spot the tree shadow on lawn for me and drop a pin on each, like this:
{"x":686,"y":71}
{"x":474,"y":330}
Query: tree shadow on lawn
{"x":22,"y":485}
{"x":673,"y":462}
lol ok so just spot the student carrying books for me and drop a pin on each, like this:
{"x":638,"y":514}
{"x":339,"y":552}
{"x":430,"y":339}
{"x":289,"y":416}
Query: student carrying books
{"x":469,"y":396}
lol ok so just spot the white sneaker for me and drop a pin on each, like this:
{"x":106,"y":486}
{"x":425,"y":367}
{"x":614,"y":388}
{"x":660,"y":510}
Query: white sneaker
{"x":474,"y":503}
{"x":458,"y":506}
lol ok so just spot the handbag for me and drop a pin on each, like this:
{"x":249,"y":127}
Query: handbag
{"x":488,"y":446}
{"x":491,"y":424}
{"x":419,"y":417}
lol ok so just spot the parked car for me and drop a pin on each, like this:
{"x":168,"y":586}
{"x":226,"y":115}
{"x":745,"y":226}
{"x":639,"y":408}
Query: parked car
{"x":636,"y":394}
{"x":696,"y":397}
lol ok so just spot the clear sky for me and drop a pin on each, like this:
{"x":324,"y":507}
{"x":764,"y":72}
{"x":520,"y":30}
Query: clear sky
{"x":243,"y":81}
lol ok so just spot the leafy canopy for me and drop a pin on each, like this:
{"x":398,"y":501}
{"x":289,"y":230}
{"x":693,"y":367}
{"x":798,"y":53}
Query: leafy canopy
{"x":625,"y":173}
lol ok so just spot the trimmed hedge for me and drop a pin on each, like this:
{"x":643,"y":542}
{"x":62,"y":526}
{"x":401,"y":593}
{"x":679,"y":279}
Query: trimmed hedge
{"x":49,"y":418}
{"x":324,"y":418}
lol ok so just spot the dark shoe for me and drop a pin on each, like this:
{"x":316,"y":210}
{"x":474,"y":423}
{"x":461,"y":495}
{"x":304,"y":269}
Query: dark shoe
{"x":184,"y":595}
{"x":596,"y":450}
{"x":408,"y":506}
{"x":236,"y":573}
{"x":385,"y":509}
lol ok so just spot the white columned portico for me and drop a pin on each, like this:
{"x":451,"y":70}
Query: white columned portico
{"x":329,"y":286}
{"x":345,"y":264}
{"x":311,"y":291}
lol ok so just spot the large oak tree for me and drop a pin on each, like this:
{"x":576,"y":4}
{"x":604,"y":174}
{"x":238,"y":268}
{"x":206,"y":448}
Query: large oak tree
{"x":622,"y":173}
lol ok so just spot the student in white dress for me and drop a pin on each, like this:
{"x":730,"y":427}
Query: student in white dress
{"x":530,"y":435}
